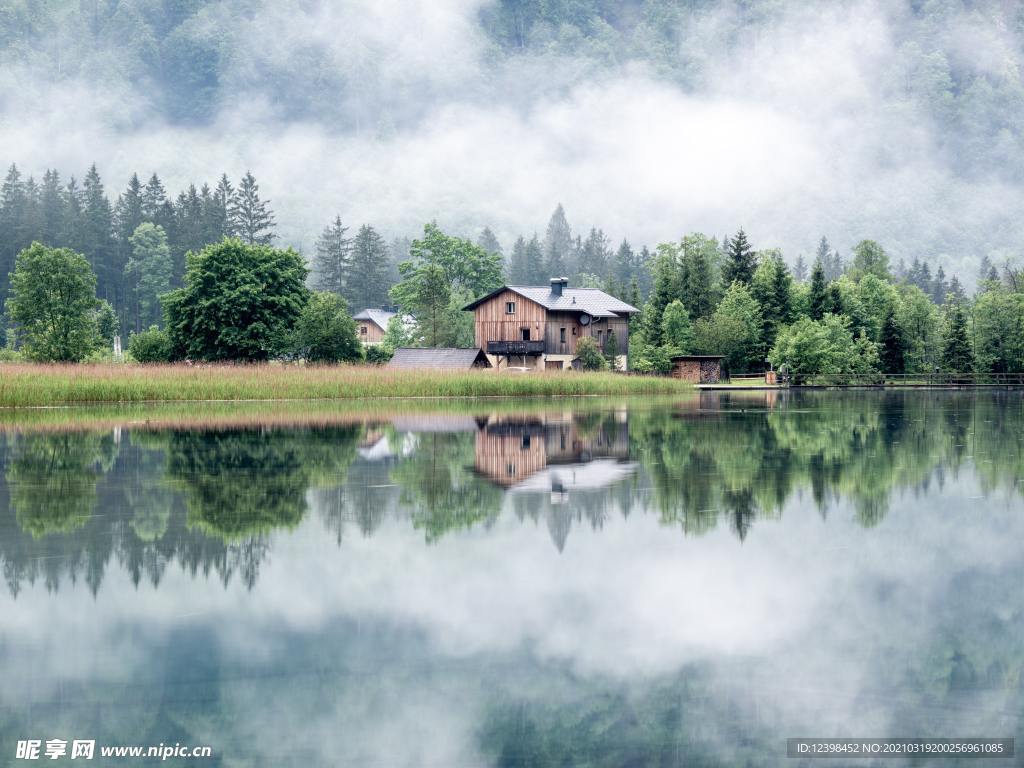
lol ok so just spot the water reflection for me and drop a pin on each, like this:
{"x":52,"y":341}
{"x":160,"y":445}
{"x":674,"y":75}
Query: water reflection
{"x":676,"y":584}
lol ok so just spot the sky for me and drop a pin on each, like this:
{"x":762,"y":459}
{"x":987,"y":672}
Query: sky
{"x":398,"y":113}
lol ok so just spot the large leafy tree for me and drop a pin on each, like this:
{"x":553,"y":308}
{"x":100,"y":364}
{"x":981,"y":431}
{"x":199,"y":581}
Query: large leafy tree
{"x":676,"y":329}
{"x":149,"y":269}
{"x":869,"y":258}
{"x":734,"y":330}
{"x":325,"y":331}
{"x":52,"y":304}
{"x":239,"y":302}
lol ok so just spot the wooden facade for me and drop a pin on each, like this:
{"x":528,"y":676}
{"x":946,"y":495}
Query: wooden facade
{"x":511,"y":317}
{"x":369,"y":332}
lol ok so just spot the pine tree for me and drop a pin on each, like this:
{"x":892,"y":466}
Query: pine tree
{"x":517,"y":263}
{"x":219,"y":223}
{"x":986,"y":273}
{"x":740,"y":261}
{"x":800,"y":268}
{"x":489,"y":242}
{"x":366,"y":285}
{"x":956,"y":290}
{"x":332,"y":263}
{"x":819,"y":298}
{"x":97,"y":238}
{"x":154,"y":196}
{"x":535,"y":269}
{"x":625,"y":264}
{"x":189,"y":221}
{"x":594,"y":254}
{"x":251,"y":219}
{"x":696,"y":285}
{"x":956,"y":349}
{"x":558,"y":244}
{"x":51,"y":205}
{"x":12,"y":213}
{"x":129,"y":212}
{"x":72,"y":232}
{"x":894,"y":346}
{"x":940,"y":286}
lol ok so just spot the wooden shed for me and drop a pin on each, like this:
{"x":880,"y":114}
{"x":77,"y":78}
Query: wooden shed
{"x":440,"y":358}
{"x":700,"y":369}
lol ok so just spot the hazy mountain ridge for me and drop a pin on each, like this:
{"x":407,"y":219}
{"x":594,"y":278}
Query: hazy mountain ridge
{"x":899,"y":122}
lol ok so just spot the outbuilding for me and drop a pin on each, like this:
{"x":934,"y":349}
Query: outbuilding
{"x":700,"y":369}
{"x":440,"y":358}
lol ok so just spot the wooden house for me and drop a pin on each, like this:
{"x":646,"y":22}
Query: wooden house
{"x":372,"y":324}
{"x":540,"y":326}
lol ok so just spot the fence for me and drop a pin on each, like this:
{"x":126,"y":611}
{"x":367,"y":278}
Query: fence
{"x":910,"y":380}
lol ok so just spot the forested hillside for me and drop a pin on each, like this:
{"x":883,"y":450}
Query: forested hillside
{"x":895,"y":121}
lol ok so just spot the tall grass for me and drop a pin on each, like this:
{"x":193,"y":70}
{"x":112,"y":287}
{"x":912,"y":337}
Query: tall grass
{"x":25,"y":384}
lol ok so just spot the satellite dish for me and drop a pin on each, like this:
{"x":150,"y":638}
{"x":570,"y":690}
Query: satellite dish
{"x":584,"y":319}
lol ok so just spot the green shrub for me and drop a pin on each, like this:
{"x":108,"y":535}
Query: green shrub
{"x":152,"y":346}
{"x":591,"y":358}
{"x":378,"y":354}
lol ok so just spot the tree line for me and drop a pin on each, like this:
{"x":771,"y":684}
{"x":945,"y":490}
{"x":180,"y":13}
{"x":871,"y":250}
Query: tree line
{"x":200,"y":266}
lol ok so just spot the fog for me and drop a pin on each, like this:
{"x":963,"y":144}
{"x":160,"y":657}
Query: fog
{"x":793,"y":120}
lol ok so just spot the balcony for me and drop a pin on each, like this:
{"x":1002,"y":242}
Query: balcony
{"x":515,"y":347}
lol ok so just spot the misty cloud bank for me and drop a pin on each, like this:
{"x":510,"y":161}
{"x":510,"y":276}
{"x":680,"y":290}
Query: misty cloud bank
{"x":849,"y":119}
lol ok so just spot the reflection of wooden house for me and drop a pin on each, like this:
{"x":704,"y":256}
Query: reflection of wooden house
{"x":539,"y":326}
{"x":700,"y":369}
{"x":510,"y":451}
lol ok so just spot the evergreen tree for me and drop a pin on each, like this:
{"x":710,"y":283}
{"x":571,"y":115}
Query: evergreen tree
{"x":218,"y":220}
{"x":558,"y":244}
{"x":987,"y":274}
{"x":800,"y":269}
{"x":97,"y":238}
{"x":489,"y":242}
{"x":740,"y":261}
{"x":251,"y":219}
{"x":535,"y":272}
{"x":72,"y":233}
{"x":594,"y":254}
{"x":51,"y":205}
{"x":189,"y":222}
{"x":517,"y":263}
{"x":13,"y":237}
{"x":676,"y":329}
{"x":940,"y":287}
{"x":696,"y":280}
{"x":332,"y":263}
{"x":956,"y":290}
{"x":894,"y":346}
{"x":153,"y":198}
{"x":625,"y":265}
{"x":772,"y":287}
{"x":819,"y":292}
{"x":957,"y":356}
{"x":129,"y":212}
{"x":366,"y":285}
{"x":666,"y":288}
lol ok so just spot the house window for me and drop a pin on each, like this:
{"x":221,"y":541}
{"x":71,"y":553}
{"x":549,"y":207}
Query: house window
{"x":526,"y":442}
{"x":561,"y":335}
{"x":362,"y":330}
{"x":526,"y":334}
{"x":510,"y":307}
{"x":574,"y":330}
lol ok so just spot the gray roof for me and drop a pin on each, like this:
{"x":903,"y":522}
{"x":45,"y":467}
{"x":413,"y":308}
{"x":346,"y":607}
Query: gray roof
{"x":593,"y":301}
{"x":446,"y":358}
{"x":380,"y":317}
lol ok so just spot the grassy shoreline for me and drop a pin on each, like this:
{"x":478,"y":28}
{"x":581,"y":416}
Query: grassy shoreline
{"x":24,"y":385}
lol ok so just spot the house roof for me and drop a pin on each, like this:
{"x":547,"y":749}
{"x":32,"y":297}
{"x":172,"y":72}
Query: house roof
{"x":379,"y":317}
{"x":445,"y":358}
{"x":593,"y":301}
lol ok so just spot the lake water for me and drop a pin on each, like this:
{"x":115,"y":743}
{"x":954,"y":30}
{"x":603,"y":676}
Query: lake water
{"x":601,"y":583}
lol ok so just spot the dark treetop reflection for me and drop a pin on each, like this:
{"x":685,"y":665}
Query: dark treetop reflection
{"x":380,"y":593}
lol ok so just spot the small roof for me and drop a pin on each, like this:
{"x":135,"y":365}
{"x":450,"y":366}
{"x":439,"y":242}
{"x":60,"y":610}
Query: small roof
{"x":379,"y":317}
{"x":593,"y":301}
{"x":444,"y":358}
{"x":697,"y":357}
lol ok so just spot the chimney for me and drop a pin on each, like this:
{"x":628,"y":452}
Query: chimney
{"x":557,"y":284}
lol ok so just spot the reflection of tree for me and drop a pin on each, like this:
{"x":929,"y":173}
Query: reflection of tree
{"x":439,"y":488}
{"x":243,"y":482}
{"x":52,"y":479}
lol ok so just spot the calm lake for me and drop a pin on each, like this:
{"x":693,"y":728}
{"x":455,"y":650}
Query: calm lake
{"x":600,"y":583}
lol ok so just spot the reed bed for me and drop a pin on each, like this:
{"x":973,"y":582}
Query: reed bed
{"x":33,"y":385}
